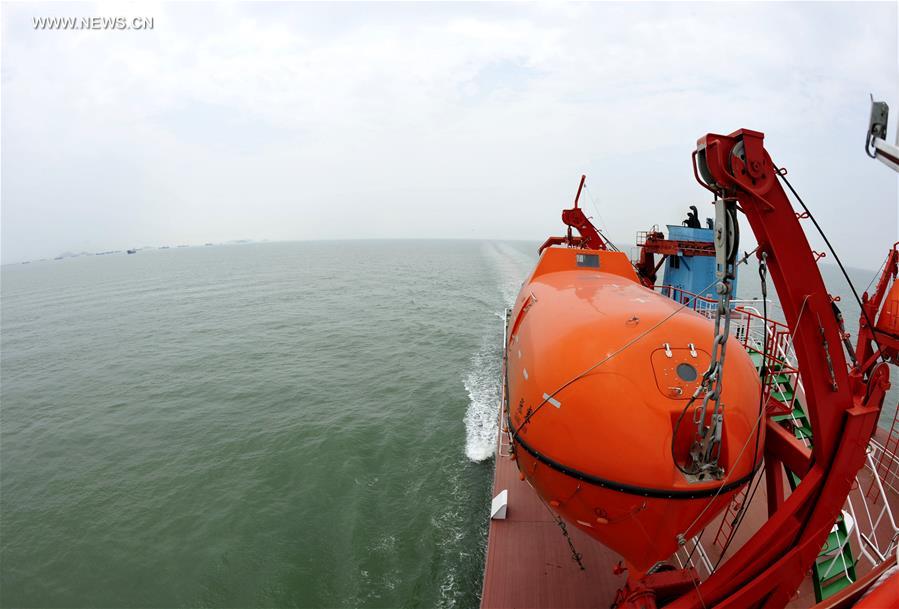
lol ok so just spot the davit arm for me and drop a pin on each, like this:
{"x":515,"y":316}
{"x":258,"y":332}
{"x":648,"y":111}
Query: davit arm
{"x":575,"y":218}
{"x":843,"y":404}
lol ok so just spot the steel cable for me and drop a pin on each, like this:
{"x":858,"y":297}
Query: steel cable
{"x":833,"y":252}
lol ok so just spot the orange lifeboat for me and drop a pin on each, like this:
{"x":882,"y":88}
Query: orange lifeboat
{"x":599,"y":370}
{"x":889,"y":314}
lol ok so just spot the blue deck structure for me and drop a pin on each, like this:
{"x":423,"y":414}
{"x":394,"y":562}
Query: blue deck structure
{"x":693,"y":274}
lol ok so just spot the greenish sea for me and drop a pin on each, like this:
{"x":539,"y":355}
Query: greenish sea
{"x":256,"y":425}
{"x":265,"y":425}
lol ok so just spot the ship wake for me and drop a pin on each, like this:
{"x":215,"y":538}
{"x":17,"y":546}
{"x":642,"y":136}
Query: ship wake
{"x":482,"y":380}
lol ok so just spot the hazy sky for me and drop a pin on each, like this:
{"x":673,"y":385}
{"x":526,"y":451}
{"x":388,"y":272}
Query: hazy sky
{"x":306,"y":121}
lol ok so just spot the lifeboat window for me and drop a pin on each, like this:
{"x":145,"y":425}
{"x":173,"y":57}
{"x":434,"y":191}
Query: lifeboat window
{"x":686,"y":372}
{"x":589,"y":260}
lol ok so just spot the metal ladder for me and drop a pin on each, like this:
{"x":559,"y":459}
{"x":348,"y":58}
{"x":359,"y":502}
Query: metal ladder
{"x":726,"y":528}
{"x":834,"y":568}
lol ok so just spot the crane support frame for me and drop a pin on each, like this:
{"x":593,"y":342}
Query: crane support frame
{"x":843,"y":405}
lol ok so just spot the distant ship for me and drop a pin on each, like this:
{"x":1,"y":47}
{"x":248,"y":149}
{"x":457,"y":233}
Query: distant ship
{"x":132,"y":251}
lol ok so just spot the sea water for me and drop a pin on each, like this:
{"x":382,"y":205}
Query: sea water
{"x":255,"y":425}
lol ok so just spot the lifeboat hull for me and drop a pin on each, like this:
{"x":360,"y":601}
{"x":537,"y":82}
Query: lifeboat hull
{"x":599,"y":371}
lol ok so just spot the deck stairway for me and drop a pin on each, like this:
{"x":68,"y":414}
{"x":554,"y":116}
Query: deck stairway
{"x":834,"y":568}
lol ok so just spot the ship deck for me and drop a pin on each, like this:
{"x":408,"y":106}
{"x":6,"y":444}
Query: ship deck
{"x":529,"y":563}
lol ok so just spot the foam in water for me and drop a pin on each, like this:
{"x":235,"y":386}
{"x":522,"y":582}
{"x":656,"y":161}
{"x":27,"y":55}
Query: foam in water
{"x":483,"y":385}
{"x":483,"y":381}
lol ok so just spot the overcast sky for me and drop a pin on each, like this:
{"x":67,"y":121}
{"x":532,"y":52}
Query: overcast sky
{"x":308,"y":121}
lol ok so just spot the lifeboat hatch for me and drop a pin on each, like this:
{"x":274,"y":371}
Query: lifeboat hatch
{"x":678,"y":370}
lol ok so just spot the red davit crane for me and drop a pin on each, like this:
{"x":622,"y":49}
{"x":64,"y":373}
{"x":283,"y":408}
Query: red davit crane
{"x":881,"y":339}
{"x":843,"y":403}
{"x":575,"y":218}
{"x":654,"y":243}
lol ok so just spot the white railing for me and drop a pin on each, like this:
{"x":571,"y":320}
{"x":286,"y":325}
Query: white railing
{"x":694,"y":548}
{"x":505,"y":434}
{"x":873,"y":546}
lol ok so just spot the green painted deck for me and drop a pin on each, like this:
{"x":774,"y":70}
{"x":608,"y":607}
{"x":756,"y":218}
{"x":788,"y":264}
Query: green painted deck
{"x":835,"y":566}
